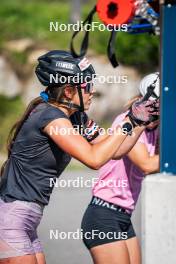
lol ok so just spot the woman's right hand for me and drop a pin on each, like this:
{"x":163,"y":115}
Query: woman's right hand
{"x":144,"y":112}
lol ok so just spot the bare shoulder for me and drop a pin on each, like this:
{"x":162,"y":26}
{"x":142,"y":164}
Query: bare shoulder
{"x":58,"y":124}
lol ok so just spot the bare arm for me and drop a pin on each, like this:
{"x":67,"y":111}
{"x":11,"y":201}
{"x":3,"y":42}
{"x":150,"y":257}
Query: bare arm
{"x":141,"y":113}
{"x":141,"y":158}
{"x":93,"y":156}
{"x":127,"y":144}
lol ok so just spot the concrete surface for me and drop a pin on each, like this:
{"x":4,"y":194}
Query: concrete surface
{"x":159,"y":219}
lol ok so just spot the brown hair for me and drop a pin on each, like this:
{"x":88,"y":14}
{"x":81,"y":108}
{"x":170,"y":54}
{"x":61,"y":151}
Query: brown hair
{"x":131,"y":101}
{"x":56,"y":93}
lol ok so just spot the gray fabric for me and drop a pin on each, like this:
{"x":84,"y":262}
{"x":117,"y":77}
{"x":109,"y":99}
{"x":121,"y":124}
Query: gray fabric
{"x":34,"y":160}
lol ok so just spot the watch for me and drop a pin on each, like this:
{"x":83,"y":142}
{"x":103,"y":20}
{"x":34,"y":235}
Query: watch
{"x":127,"y":128}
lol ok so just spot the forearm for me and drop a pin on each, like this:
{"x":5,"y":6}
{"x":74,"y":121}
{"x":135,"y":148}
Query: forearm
{"x":114,"y":145}
{"x":128,"y":143}
{"x":103,"y":151}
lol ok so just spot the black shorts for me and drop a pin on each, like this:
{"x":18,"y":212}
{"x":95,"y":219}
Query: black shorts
{"x":102,"y":225}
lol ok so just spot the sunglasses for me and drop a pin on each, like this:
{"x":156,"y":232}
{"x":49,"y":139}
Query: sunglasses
{"x":88,"y":87}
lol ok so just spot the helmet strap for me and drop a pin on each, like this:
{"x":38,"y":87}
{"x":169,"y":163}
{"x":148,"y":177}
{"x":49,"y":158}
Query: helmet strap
{"x":69,"y":104}
{"x":81,"y":107}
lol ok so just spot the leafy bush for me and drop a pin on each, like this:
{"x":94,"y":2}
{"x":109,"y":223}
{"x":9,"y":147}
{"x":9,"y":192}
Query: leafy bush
{"x":30,"y":19}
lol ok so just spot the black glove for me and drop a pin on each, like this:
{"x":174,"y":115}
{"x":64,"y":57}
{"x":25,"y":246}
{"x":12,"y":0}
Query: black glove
{"x":90,"y":130}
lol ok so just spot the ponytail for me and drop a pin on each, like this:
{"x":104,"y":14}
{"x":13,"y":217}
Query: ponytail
{"x":16,"y":128}
{"x":55,"y":95}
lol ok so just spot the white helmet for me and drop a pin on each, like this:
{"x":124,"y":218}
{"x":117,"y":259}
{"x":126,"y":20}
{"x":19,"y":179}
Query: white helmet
{"x":150,"y":86}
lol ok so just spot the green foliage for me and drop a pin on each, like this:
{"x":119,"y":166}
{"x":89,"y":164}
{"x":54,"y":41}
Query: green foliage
{"x":140,"y":51}
{"x":30,"y":19}
{"x":10,"y":112}
{"x":20,"y":57}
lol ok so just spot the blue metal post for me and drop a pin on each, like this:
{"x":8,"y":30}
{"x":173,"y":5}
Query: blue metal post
{"x":168,"y":91}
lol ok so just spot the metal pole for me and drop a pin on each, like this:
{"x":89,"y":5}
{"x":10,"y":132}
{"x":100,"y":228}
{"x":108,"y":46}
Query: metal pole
{"x":75,"y":11}
{"x":168,"y":88}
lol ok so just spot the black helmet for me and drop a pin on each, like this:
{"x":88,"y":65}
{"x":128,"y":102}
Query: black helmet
{"x":60,"y":64}
{"x":65,"y":67}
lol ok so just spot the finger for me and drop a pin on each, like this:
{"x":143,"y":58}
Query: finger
{"x":149,"y":104}
{"x":154,"y":110}
{"x":154,"y":118}
{"x":155,"y":113}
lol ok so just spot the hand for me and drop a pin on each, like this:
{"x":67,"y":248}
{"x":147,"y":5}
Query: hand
{"x":144,"y":112}
{"x":91,"y":131}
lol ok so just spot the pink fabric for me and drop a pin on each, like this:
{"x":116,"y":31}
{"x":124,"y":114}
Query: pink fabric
{"x":120,"y":181}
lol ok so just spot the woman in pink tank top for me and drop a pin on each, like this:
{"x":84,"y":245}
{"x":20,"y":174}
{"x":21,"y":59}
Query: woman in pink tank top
{"x":107,"y":229}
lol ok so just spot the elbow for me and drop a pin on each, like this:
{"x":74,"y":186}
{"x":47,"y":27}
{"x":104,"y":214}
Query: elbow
{"x":95,"y":168}
{"x":95,"y":164}
{"x":151,"y":165}
{"x":95,"y":161}
{"x":146,"y":169}
{"x":117,"y":157}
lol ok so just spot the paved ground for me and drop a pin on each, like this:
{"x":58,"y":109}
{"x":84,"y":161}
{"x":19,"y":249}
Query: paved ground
{"x":64,"y":213}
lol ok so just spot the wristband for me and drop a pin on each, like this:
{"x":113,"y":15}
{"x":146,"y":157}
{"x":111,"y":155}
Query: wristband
{"x":127,"y":128}
{"x":91,"y":131}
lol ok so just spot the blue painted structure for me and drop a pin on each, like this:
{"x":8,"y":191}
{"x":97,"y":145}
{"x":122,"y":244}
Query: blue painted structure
{"x":168,"y":89}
